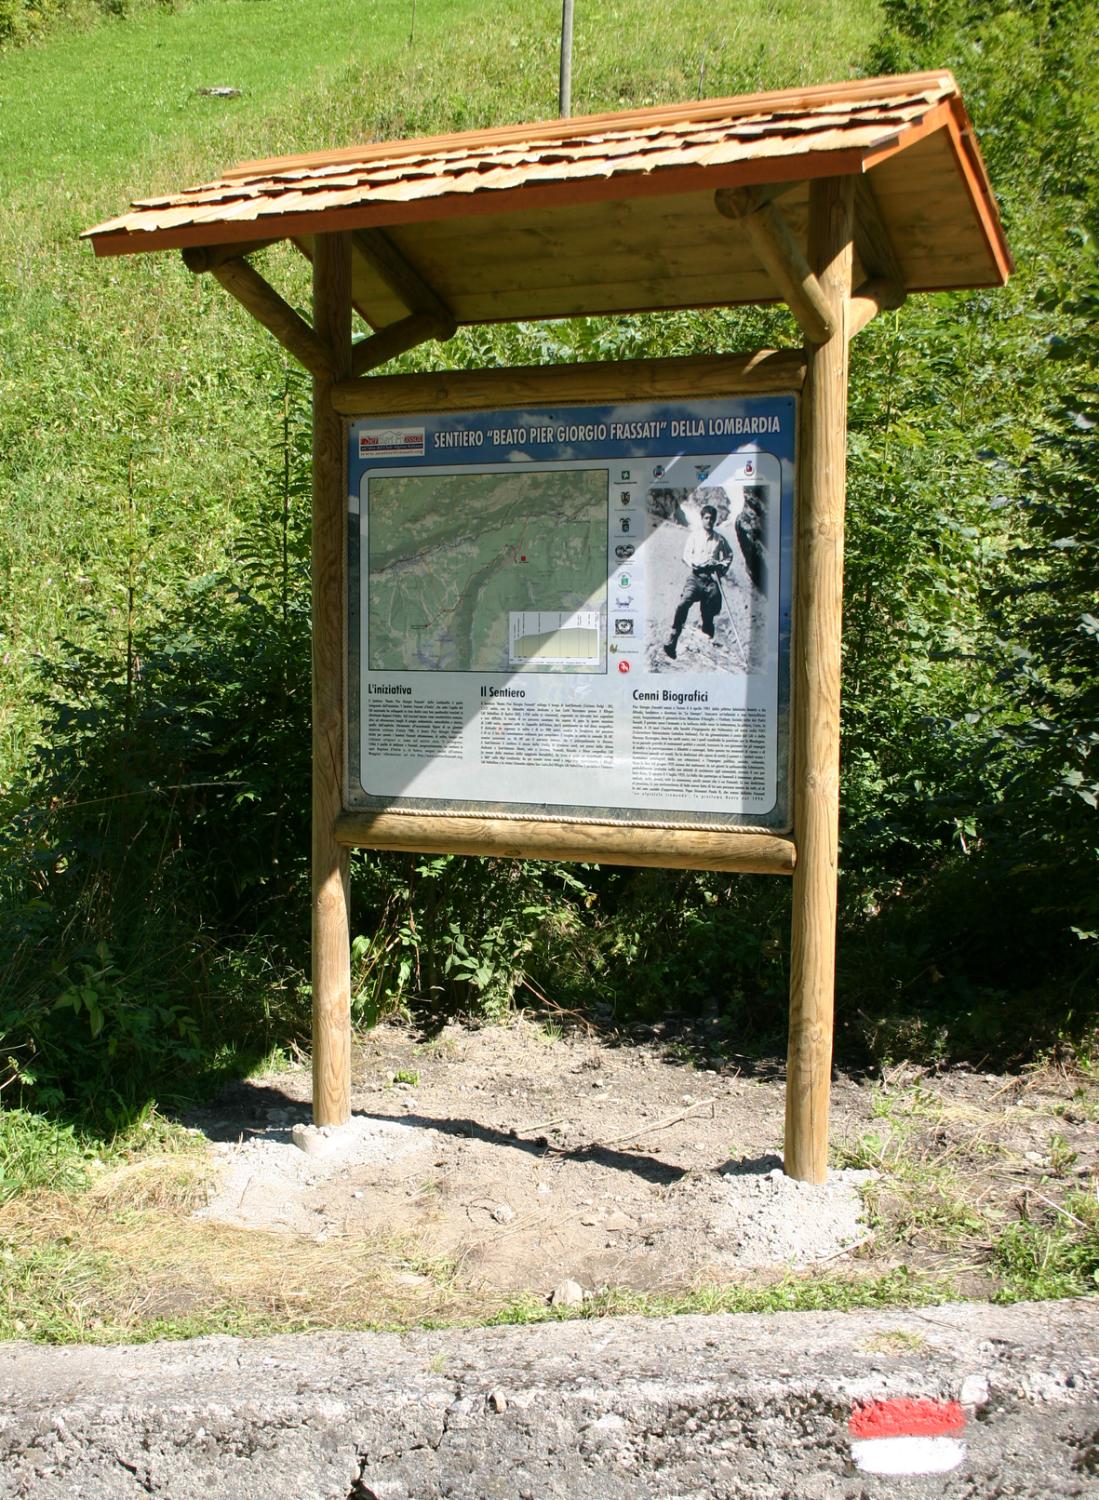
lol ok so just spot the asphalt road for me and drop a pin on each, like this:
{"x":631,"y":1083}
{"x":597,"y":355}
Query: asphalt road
{"x":965,"y":1400}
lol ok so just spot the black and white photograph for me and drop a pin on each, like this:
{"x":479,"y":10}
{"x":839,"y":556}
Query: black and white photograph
{"x":706,"y":577}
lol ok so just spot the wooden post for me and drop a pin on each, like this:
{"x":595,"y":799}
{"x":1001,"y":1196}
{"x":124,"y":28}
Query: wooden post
{"x":818,"y":592}
{"x":331,"y":931}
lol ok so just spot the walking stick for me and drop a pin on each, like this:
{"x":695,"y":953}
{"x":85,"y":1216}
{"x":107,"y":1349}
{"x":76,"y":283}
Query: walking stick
{"x":732,"y":622}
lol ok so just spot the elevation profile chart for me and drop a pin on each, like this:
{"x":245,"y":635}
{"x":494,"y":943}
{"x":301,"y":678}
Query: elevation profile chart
{"x":566,"y":638}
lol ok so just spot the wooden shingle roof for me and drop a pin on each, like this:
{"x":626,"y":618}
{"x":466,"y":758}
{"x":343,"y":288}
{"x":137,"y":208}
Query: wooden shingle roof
{"x":611,"y":213}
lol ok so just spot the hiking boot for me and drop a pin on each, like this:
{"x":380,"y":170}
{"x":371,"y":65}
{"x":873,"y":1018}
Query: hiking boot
{"x":669,"y":649}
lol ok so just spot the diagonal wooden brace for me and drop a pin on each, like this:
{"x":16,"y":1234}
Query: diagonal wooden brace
{"x":872,"y":242}
{"x":873,"y":296}
{"x":781,"y":256}
{"x":398,"y":338}
{"x":428,"y":315}
{"x":885,"y":285}
{"x":402,"y":278}
{"x":260,"y":299}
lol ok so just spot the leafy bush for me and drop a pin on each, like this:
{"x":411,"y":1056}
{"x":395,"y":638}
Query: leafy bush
{"x":970,"y":839}
{"x":164,"y":816}
{"x":154,"y":884}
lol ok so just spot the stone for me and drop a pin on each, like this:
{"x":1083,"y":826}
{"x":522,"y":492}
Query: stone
{"x":619,"y":1222}
{"x":567,"y":1294}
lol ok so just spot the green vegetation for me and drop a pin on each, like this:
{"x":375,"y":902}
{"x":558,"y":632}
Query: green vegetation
{"x":153,"y":728}
{"x":154,"y":643}
{"x":947,"y":1187}
{"x":792,"y":1293}
{"x":126,"y":1262}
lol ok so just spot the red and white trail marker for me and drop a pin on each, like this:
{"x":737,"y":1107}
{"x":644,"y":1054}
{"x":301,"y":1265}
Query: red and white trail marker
{"x":907,"y":1435}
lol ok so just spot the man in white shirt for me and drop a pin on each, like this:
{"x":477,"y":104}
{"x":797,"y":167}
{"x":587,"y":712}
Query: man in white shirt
{"x":708,"y":556}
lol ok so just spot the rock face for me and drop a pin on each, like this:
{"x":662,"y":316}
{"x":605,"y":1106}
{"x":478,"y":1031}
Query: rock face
{"x":693,"y":1408}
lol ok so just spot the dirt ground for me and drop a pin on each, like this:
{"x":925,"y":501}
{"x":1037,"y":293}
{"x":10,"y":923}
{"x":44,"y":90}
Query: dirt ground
{"x":523,"y":1157}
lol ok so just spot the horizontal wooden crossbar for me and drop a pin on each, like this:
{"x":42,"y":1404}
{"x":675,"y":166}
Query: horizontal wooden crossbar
{"x":600,"y":843}
{"x":769,"y":372}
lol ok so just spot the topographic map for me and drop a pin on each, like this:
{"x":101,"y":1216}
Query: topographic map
{"x":453,"y":557}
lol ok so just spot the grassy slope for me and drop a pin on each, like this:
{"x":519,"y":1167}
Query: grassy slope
{"x":134,"y":400}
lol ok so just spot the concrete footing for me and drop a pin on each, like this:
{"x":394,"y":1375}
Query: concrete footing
{"x":693,"y":1408}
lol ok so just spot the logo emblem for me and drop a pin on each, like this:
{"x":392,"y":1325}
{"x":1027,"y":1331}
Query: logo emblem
{"x":623,"y":550}
{"x":623,"y":627}
{"x":623,"y":666}
{"x":391,"y":442}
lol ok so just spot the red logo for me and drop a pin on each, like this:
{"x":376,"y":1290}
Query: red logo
{"x":623,"y":666}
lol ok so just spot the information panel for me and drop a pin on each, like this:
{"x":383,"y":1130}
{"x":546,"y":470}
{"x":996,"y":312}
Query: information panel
{"x":574,"y":613}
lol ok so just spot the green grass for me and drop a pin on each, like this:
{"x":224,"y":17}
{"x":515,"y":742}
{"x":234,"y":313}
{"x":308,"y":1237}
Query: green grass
{"x":36,"y":1152}
{"x":135,"y":400}
{"x":41,"y":1154}
{"x":1054,"y":1255}
{"x":808,"y":1292}
{"x":942,"y":1192}
{"x":111,"y":105}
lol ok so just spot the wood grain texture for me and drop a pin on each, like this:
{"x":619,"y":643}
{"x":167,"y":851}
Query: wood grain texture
{"x":331,"y":929}
{"x":202,"y":258}
{"x":260,"y":299}
{"x":873,"y":244}
{"x":398,"y":338}
{"x":879,"y":294}
{"x":608,"y":253}
{"x":818,"y":602}
{"x":815,"y":96}
{"x":600,"y":843}
{"x":399,"y":274}
{"x":770,"y":371}
{"x":780,"y":254}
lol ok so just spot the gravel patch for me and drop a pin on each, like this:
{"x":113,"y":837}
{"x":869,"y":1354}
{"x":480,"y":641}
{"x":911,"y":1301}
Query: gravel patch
{"x":766,"y":1218}
{"x":265,"y":1179}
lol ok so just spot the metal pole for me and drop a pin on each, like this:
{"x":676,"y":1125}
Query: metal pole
{"x":564,"y":94}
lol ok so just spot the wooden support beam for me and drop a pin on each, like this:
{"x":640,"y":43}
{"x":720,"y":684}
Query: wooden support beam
{"x":331,"y":923}
{"x":874,"y":296}
{"x":398,"y":338}
{"x":873,"y":243}
{"x":731,"y":201}
{"x":602,"y":843}
{"x":292,"y":331}
{"x":200,"y":258}
{"x":780,"y":254}
{"x":768,"y":372}
{"x":376,"y":248}
{"x":818,"y":598}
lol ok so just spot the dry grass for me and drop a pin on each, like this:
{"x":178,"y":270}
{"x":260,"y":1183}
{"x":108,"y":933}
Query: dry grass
{"x":129,"y":1261}
{"x":959,"y":1176}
